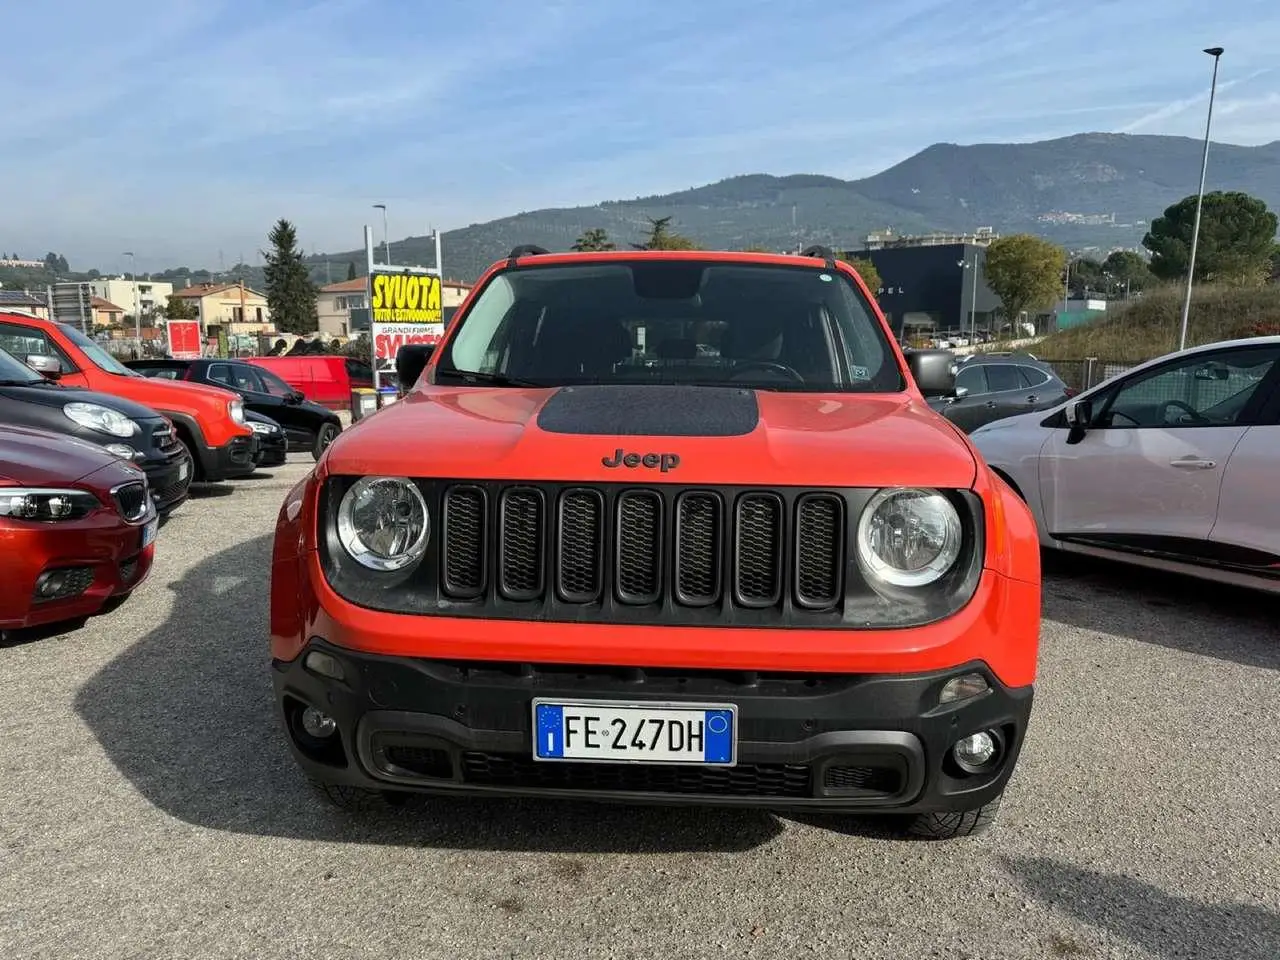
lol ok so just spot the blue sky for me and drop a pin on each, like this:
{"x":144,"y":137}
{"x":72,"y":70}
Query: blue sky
{"x":179,"y":129}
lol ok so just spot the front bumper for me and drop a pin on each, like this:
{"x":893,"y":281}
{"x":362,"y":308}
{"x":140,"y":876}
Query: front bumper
{"x":108,"y":557}
{"x":233,"y":459}
{"x":863,"y":743}
{"x":272,"y":450}
{"x":169,"y":480}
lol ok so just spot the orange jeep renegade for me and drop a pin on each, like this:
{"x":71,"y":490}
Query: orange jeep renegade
{"x":661,"y":527}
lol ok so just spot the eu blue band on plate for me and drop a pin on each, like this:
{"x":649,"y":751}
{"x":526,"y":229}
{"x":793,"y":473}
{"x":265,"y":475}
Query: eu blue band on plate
{"x":719,"y":736}
{"x":550,"y":731}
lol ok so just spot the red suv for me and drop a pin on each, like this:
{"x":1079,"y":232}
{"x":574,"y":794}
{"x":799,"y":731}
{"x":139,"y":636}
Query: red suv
{"x":209,"y":421}
{"x":77,"y":528}
{"x":672,"y":527}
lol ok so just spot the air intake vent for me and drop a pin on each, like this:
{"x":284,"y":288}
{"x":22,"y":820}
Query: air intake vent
{"x":758,"y":572}
{"x":579,"y":576}
{"x":819,"y":551}
{"x":699,"y":549}
{"x":465,"y":543}
{"x":639,"y":570}
{"x":520,"y":547}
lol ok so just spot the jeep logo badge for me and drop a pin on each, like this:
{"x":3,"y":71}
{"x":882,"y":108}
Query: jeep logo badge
{"x":662,"y":461}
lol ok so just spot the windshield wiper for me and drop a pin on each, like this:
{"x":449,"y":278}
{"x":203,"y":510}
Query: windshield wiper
{"x":23,"y":383}
{"x":489,"y":379}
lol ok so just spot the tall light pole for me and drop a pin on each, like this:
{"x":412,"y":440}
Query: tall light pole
{"x":1214,"y":52}
{"x":137,"y":303}
{"x":386,"y":237}
{"x":973,"y":297}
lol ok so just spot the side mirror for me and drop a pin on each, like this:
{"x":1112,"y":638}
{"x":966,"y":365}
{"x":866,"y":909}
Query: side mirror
{"x":411,"y":360}
{"x":296,"y":397}
{"x":48,"y":367}
{"x":1078,"y":414}
{"x":959,"y":393}
{"x":933,"y":371}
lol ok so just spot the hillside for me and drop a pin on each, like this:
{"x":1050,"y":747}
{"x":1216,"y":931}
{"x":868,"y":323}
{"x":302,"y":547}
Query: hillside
{"x":1011,"y":187}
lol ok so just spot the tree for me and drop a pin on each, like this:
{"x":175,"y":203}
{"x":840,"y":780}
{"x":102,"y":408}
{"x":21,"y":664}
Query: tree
{"x":1127,"y":269}
{"x":1086,"y":276}
{"x":351,"y":269}
{"x":1237,"y":236}
{"x":291,"y":296}
{"x":593,"y":239}
{"x":661,"y":238}
{"x":1025,"y":272}
{"x":180,"y":308}
{"x":867,"y":271}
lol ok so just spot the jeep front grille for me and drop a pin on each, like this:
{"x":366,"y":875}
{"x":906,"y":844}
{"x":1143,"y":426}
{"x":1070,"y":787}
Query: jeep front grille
{"x":642,"y":547}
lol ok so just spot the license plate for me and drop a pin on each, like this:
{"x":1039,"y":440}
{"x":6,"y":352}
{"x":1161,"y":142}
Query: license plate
{"x":149,"y":533}
{"x":184,"y":468}
{"x":607,"y":731}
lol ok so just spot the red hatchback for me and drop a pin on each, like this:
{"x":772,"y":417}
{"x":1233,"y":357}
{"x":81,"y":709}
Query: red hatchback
{"x":77,"y":528}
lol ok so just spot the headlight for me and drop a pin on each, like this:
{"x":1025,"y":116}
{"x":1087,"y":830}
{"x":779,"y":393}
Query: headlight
{"x":383,"y":523}
{"x":94,"y":416}
{"x":908,"y":537}
{"x":40,"y":503}
{"x":267,"y":428}
{"x":236,"y":409}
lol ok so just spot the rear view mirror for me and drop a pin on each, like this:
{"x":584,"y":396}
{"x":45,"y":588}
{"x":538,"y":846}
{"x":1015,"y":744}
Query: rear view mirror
{"x":933,"y":371}
{"x":48,"y":367}
{"x":411,"y":360}
{"x":1079,"y":414}
{"x":1213,"y":371}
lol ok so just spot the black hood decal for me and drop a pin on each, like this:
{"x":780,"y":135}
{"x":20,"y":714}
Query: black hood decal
{"x":651,"y":410}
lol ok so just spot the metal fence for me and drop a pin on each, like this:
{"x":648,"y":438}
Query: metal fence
{"x":1086,"y":373}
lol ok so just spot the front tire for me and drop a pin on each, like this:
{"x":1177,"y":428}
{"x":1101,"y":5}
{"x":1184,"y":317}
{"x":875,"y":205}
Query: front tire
{"x":327,"y":433}
{"x":949,"y":824}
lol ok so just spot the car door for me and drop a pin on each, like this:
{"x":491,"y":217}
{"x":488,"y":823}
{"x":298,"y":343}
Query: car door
{"x":1148,"y":471}
{"x":1041,"y":390}
{"x":274,"y":398}
{"x":1006,"y":393}
{"x":1247,"y":529}
{"x":23,"y":341}
{"x":966,"y":411}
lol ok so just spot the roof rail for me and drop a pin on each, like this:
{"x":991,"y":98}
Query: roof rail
{"x":526,"y":250}
{"x":824,"y":253}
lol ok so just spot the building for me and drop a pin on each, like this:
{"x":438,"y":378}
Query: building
{"x":232,"y":307}
{"x":928,"y":288}
{"x":25,"y":302}
{"x":19,"y":263}
{"x":106,"y":313}
{"x":151,"y":293}
{"x":337,"y":301}
{"x":888,"y":240}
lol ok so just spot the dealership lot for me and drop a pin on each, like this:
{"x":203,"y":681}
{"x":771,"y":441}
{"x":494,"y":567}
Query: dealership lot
{"x":149,"y":807}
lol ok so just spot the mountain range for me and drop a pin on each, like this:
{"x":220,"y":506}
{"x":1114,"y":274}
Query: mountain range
{"x":1091,"y":190}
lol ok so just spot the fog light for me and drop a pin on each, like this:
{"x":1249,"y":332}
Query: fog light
{"x":52,"y":583}
{"x":325,"y":665}
{"x":975,"y":751}
{"x":963,"y":688}
{"x":317,"y":724}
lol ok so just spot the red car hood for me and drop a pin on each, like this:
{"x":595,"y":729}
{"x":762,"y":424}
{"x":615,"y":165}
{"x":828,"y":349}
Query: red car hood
{"x":156,"y":392}
{"x":36,"y":458}
{"x":766,"y":438}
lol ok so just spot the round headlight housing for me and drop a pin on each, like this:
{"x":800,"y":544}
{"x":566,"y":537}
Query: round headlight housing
{"x":94,"y":416}
{"x":383,"y":523}
{"x":909,"y":537}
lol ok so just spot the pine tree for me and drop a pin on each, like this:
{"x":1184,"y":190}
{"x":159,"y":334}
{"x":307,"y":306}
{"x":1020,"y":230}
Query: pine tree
{"x":351,"y":269}
{"x":291,"y":296}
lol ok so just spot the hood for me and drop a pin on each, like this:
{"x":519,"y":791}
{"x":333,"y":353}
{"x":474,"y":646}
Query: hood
{"x":176,"y":394}
{"x":717,"y":435}
{"x":40,"y":458}
{"x":57,"y":397}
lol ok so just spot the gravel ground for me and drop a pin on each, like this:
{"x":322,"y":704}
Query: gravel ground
{"x":148,"y":807}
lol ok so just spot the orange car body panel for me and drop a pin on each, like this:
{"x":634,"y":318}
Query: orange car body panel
{"x":205,"y":404}
{"x":802,"y":439}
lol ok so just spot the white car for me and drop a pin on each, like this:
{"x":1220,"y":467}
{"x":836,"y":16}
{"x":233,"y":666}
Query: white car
{"x":1174,"y":464}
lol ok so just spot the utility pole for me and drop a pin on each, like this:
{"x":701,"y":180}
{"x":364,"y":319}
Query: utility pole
{"x":386,"y":237}
{"x":137,"y":302}
{"x":1214,"y":52}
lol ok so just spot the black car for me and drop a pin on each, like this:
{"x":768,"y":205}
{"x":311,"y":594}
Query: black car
{"x":270,"y":448}
{"x":126,"y":429}
{"x":996,"y":385}
{"x":308,"y":426}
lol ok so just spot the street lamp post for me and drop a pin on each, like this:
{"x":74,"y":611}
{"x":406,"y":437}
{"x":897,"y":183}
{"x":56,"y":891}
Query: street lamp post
{"x":386,"y":237}
{"x":973,"y":297}
{"x":137,"y":303}
{"x":1214,"y":52}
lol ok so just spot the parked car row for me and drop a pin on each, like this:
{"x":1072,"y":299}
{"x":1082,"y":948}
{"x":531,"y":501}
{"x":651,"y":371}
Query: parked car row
{"x":95,"y":455}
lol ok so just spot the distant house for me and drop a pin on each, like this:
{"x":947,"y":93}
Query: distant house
{"x":232,"y":306}
{"x":151,"y":294}
{"x":106,"y":313}
{"x":25,"y":302}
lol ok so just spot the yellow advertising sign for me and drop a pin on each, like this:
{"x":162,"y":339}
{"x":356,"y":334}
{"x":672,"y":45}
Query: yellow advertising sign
{"x":405,"y":298}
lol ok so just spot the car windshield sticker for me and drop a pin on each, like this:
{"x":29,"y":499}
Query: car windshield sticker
{"x":824,"y":277}
{"x":861,"y":373}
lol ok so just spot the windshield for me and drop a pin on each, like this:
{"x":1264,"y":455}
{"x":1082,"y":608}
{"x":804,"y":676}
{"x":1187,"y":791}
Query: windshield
{"x":688,"y":321}
{"x":92,"y":350}
{"x":13,"y":370}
